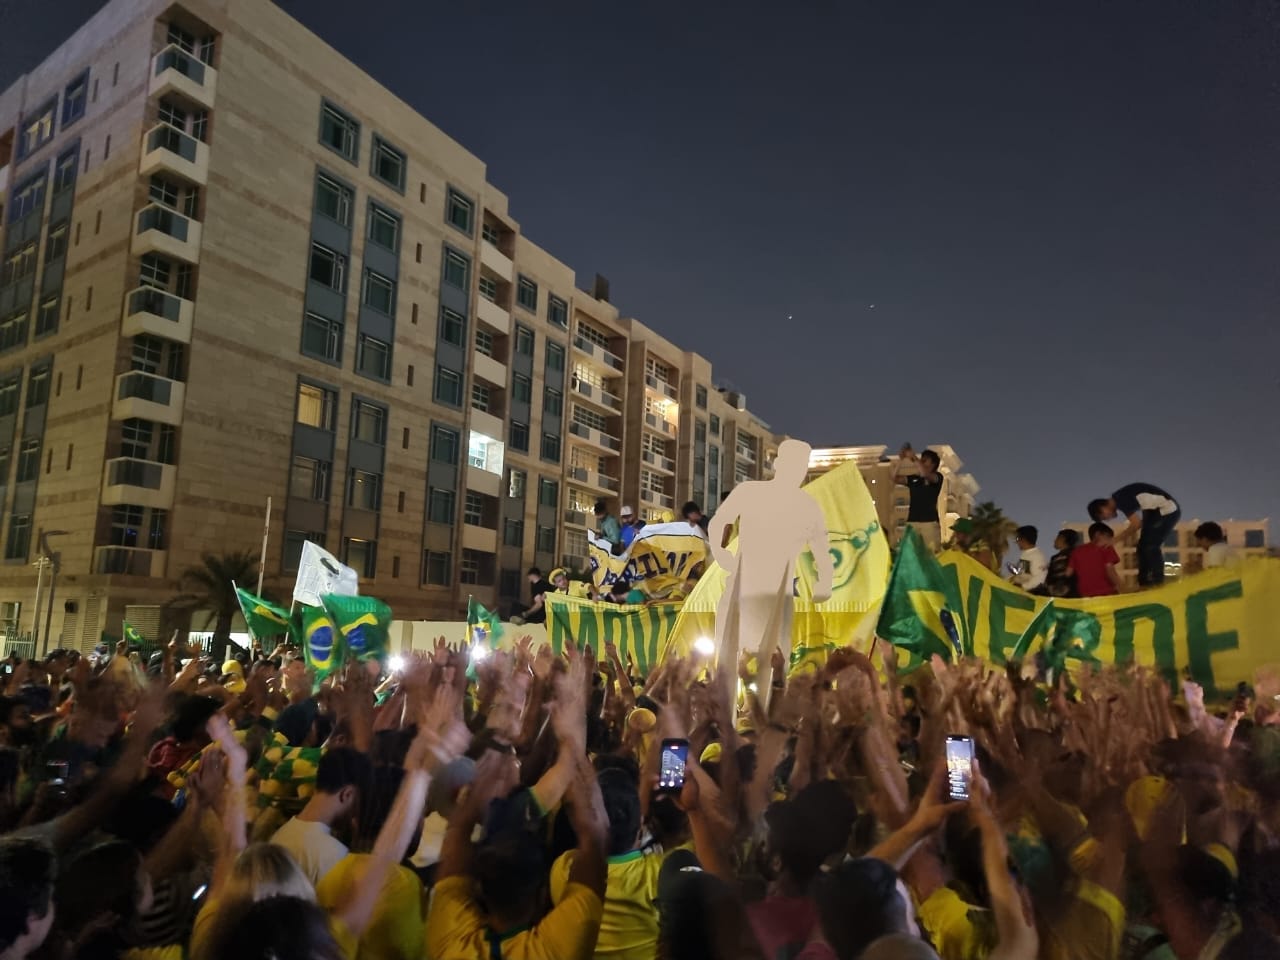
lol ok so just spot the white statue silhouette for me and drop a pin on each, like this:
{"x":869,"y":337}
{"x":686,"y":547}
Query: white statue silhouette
{"x":776,"y":521}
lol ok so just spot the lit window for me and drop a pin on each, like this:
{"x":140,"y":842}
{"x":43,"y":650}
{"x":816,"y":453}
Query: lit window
{"x":485,"y":453}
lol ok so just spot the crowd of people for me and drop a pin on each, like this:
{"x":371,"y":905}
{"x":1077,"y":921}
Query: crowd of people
{"x":480,"y":805}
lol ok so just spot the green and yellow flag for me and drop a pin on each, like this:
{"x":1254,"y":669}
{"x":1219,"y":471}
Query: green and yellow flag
{"x":920,"y":610}
{"x":263,"y":618}
{"x":483,"y":625}
{"x":321,"y":642}
{"x":638,"y":630}
{"x":363,"y":623}
{"x":132,"y":636}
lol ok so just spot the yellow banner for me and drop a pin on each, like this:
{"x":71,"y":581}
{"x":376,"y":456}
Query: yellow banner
{"x":638,"y":630}
{"x":860,"y":553}
{"x":658,"y":561}
{"x":1220,"y":624}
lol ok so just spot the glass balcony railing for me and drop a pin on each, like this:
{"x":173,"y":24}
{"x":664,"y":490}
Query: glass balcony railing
{"x":156,"y":217}
{"x":174,"y":57}
{"x":139,"y":385}
{"x":165,"y":137}
{"x":157,"y":302}
{"x":128,"y":472}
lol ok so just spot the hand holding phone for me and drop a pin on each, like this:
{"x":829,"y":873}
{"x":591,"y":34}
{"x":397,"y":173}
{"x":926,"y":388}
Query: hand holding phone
{"x":675,"y":757}
{"x":959,"y":766}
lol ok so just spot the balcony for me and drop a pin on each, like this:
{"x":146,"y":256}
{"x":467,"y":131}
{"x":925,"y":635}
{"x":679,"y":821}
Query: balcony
{"x":129,"y":561}
{"x":659,"y":386}
{"x":610,"y":361}
{"x":657,"y":460}
{"x":173,"y":70}
{"x":576,"y":517}
{"x":126,"y":480}
{"x":594,"y":479}
{"x":166,"y":232}
{"x":496,"y":262}
{"x":597,"y":395}
{"x":745,"y":454}
{"x":4,"y":177}
{"x":572,"y":562}
{"x":655,"y":422}
{"x":480,"y":539}
{"x":149,"y":397}
{"x":167,"y":149}
{"x":483,"y":422}
{"x":493,"y":315}
{"x":591,"y":435}
{"x":148,"y":310}
{"x":658,"y":499}
{"x":489,"y":370}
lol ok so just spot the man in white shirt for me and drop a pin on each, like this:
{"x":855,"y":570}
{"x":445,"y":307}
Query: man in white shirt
{"x":1217,"y":553}
{"x":342,"y":775}
{"x":1033,"y":566}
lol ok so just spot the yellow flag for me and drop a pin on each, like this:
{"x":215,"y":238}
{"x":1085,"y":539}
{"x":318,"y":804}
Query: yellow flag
{"x":658,"y":561}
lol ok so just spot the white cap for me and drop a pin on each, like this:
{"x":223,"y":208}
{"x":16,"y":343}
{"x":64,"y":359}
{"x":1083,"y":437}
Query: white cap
{"x":627,"y":512}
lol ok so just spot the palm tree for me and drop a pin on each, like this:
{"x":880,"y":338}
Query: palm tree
{"x":209,"y":587}
{"x":990,"y":524}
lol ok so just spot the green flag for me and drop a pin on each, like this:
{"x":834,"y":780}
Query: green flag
{"x":132,"y":636}
{"x":263,"y":619}
{"x":484,"y":625}
{"x":917,"y":614}
{"x":1039,"y":625}
{"x":321,"y":642}
{"x":363,"y":623}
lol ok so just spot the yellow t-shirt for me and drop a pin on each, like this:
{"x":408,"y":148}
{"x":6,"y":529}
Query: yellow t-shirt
{"x":204,"y":926}
{"x":395,"y":929}
{"x":629,"y":925}
{"x":958,"y":930}
{"x":456,"y":927}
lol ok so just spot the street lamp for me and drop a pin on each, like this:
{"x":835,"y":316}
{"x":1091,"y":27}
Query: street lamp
{"x":55,"y":560}
{"x":41,"y":562}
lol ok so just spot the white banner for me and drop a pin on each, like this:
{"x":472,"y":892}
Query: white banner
{"x":320,"y":572}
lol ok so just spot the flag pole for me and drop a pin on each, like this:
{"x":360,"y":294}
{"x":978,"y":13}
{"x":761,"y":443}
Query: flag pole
{"x":262,"y":560}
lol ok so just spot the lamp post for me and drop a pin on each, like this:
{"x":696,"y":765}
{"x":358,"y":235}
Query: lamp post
{"x":35,"y":615}
{"x":55,"y":561}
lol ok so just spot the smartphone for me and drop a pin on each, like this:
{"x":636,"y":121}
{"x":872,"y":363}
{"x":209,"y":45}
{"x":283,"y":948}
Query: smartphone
{"x":675,"y":755}
{"x":56,"y":773}
{"x":959,"y":766}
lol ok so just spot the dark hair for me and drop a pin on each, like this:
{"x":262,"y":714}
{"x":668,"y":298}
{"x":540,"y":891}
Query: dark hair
{"x":1210,"y":531}
{"x":27,"y":870}
{"x":601,"y":507}
{"x":375,"y":806}
{"x":1072,"y":537}
{"x":858,"y":902}
{"x":1098,"y":528}
{"x":7,"y":706}
{"x":190,"y":716}
{"x":344,"y":767}
{"x":808,"y":829}
{"x":690,"y":507}
{"x":510,"y":868}
{"x":100,"y":880}
{"x":620,"y":787}
{"x":1029,"y":534}
{"x":1096,"y":507}
{"x":534,"y":572}
{"x":274,"y":928}
{"x":932,"y":457}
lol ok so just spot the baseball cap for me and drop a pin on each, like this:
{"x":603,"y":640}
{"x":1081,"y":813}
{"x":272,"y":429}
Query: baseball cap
{"x":963,"y":525}
{"x":627,"y":512}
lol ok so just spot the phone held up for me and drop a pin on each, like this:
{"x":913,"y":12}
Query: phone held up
{"x":675,"y":756}
{"x":959,"y":766}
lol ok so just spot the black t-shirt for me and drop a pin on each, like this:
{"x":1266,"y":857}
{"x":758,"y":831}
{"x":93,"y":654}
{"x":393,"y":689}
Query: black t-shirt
{"x":1144,"y":497}
{"x":541,"y":587}
{"x":924,"y":499}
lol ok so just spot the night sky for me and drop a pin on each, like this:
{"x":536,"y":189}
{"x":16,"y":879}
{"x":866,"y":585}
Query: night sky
{"x":1049,"y":236}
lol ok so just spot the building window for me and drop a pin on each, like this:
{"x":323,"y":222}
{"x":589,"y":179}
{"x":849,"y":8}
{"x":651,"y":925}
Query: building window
{"x":715,"y":425}
{"x":56,"y":246}
{"x":328,"y":268}
{"x":527,"y":294}
{"x":550,"y":448}
{"x":557,"y":312}
{"x":700,"y":396}
{"x":47,"y":316}
{"x":469,"y":569}
{"x":38,"y":387}
{"x":309,"y":479}
{"x":515,"y":484}
{"x":473,"y":510}
{"x":509,"y":584}
{"x":360,"y":555}
{"x":379,"y":292}
{"x":27,"y":198}
{"x":333,"y":200}
{"x":369,"y":423}
{"x":364,"y":491}
{"x":440,"y":506}
{"x":488,"y":288}
{"x":388,"y":163}
{"x":490,"y":234}
{"x":74,"y":99}
{"x":481,"y":396}
{"x":524,"y":341}
{"x":9,"y":395}
{"x":458,"y":211}
{"x":339,"y":132}
{"x":448,"y":386}
{"x":453,"y":327}
{"x":384,"y":228}
{"x":519,"y":436}
{"x":37,"y":129}
{"x":546,"y":540}
{"x":435,"y":568}
{"x":18,"y":546}
{"x":521,"y":388}
{"x":444,"y":445}
{"x":64,"y":172}
{"x":321,"y":337}
{"x":457,"y":269}
{"x":555,"y":357}
{"x":28,"y":460}
{"x":1255,"y":539}
{"x":13,"y":330}
{"x":485,"y":453}
{"x":317,"y":407}
{"x":552,"y":402}
{"x":484,"y":342}
{"x":548,"y":493}
{"x":373,"y":358}
{"x":513,"y":533}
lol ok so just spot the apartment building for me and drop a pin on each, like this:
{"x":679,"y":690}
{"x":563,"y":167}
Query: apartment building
{"x":234,"y":267}
{"x":878,"y":467}
{"x":1247,"y":538}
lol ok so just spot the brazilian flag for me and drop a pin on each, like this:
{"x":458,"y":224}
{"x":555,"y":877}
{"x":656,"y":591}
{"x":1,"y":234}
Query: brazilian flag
{"x":363,"y":623}
{"x":483,"y":625}
{"x":264,"y":619}
{"x":132,"y":636}
{"x":321,"y":642}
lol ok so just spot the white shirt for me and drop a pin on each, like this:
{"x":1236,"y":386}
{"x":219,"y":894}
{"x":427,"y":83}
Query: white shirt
{"x":1034,"y":569}
{"x":1220,"y":555}
{"x":312,"y":845}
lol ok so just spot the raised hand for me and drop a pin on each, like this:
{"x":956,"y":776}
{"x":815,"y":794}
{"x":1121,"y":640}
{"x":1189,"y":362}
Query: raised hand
{"x":569,"y":711}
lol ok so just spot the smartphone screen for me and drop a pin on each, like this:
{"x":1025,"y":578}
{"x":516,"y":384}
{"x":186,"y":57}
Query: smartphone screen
{"x":959,"y":766}
{"x":675,"y":754}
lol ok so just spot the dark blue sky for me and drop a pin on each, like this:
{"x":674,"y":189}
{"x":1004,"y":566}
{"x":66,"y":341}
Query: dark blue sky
{"x":1067,"y":217}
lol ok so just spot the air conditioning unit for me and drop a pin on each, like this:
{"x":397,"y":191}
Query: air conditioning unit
{"x":737,"y":400}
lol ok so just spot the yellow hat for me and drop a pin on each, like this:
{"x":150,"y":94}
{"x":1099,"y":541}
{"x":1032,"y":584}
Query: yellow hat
{"x":234,"y":684}
{"x":642,"y":720}
{"x":711,"y":754}
{"x":558,"y":572}
{"x":667,"y":517}
{"x":233,"y":666}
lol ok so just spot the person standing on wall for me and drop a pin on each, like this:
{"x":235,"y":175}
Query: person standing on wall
{"x":1153,"y":515}
{"x":924,"y":485}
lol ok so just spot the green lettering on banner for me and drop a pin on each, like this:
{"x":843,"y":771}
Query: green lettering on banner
{"x":951,"y":593}
{"x":1201,"y":644}
{"x":1001,"y":637}
{"x":1070,"y":626}
{"x":1161,"y":618}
